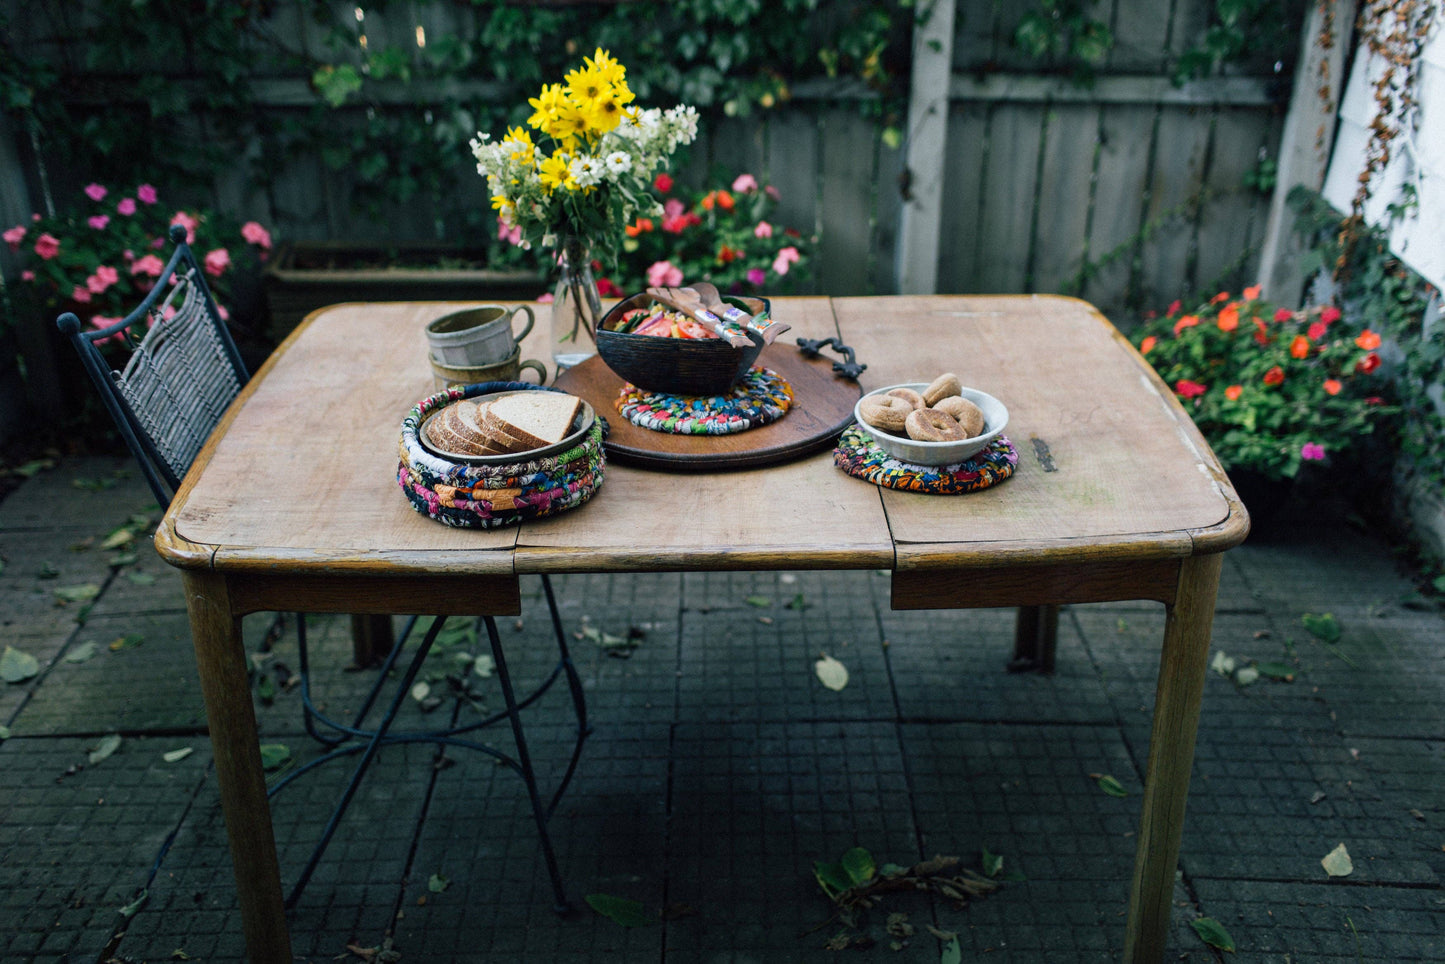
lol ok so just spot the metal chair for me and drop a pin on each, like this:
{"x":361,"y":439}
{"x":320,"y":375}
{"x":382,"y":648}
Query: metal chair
{"x":182,"y":374}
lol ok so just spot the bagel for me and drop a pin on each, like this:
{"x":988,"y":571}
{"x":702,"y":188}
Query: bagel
{"x":944,"y":386}
{"x":969,"y":415}
{"x":932,"y":425}
{"x":885,"y":412}
{"x":914,"y":400}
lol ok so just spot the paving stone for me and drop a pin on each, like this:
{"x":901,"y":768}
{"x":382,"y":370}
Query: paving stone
{"x":94,"y":493}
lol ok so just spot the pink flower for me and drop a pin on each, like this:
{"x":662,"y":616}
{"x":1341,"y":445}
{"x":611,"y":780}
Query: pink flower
{"x":47,"y":246}
{"x":546,"y":298}
{"x":98,"y":222}
{"x":104,"y":277}
{"x":257,"y":235}
{"x":27,"y":275}
{"x":664,"y":274}
{"x":785,"y":257}
{"x":14,"y":236}
{"x":221,"y":310}
{"x":757,"y":276}
{"x":149,"y":265}
{"x":102,"y":321}
{"x":94,"y":191}
{"x":673,"y":207}
{"x":126,"y":207}
{"x":146,"y":194}
{"x":1312,"y":452}
{"x":80,"y":294}
{"x":1329,"y":314}
{"x":772,"y":192}
{"x":217,"y":261}
{"x":744,"y":183}
{"x":189,"y":223}
{"x":763,"y":230}
{"x":512,"y":235}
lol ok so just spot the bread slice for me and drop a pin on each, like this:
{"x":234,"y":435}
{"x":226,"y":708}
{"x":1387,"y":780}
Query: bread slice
{"x":500,"y":436}
{"x":464,"y":419}
{"x":535,"y":418}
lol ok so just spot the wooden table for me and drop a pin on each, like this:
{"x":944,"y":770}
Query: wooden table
{"x":293,"y":505}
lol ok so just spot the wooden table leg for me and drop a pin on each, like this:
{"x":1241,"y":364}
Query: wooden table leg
{"x":371,"y":639}
{"x":221,"y":662}
{"x":1036,"y":638}
{"x":1182,"y":668}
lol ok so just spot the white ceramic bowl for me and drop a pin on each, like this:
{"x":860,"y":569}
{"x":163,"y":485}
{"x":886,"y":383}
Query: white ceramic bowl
{"x":904,"y":449}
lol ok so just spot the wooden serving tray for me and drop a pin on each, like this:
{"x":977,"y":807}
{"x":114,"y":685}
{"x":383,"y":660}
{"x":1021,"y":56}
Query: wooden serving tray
{"x":822,"y":407}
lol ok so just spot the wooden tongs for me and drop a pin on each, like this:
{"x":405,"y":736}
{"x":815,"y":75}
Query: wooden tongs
{"x":703,"y":302}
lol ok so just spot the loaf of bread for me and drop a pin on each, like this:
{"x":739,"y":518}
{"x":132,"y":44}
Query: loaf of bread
{"x":510,"y":425}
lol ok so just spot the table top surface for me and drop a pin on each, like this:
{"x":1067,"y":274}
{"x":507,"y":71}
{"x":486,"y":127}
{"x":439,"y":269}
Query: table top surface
{"x":301,"y":475}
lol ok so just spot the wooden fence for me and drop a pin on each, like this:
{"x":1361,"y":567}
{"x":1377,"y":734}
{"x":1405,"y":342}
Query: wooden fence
{"x":1129,"y":191}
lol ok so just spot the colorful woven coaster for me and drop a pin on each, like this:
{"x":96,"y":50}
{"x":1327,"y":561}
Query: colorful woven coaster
{"x":759,"y":397}
{"x":858,"y":455}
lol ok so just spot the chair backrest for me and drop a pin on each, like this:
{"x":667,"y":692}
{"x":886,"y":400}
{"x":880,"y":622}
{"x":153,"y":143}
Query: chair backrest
{"x":183,"y":371}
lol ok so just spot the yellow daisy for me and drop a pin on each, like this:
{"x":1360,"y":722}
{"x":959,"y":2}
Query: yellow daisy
{"x":612,"y":72}
{"x":522,"y":138}
{"x":545,"y":105}
{"x":568,"y":124}
{"x":553,"y":173}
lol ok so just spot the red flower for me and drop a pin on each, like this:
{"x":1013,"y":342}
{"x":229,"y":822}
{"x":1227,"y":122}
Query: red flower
{"x":1233,"y":392}
{"x":1300,"y":347}
{"x":1275,"y":376}
{"x":1368,"y":364}
{"x":608,"y":288}
{"x":726,"y":254}
{"x":1174,"y":307}
{"x":1282,"y":315}
{"x":1333,"y":386}
{"x":663,"y":182}
{"x":1368,"y":340}
{"x":1261,"y":333}
{"x":1228,"y":318}
{"x":1318,"y":329}
{"x":1188,"y":389}
{"x":1330,"y":314}
{"x":1188,"y":321}
{"x":1147,"y":344}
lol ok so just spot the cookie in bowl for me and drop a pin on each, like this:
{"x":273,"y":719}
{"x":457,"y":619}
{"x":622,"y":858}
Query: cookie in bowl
{"x":931,"y":423}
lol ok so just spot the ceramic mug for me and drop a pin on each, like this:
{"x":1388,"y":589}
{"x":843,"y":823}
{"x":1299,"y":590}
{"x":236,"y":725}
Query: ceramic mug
{"x":508,"y":370}
{"x":477,"y":336}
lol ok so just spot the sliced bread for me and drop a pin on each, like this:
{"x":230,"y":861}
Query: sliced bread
{"x":535,"y":418}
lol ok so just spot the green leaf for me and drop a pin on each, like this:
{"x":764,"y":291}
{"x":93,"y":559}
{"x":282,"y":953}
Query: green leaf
{"x":1212,"y":932}
{"x":128,"y":641}
{"x":274,"y":755}
{"x":1110,"y":786}
{"x":761,"y":602}
{"x":29,"y":469}
{"x":266,"y":690}
{"x":1325,"y":628}
{"x":437,"y":883}
{"x":833,"y":878}
{"x":1439,"y":583}
{"x":117,"y":538}
{"x":17,"y":666}
{"x":992,"y":863}
{"x":81,"y":653}
{"x":797,"y":603}
{"x":141,"y":578}
{"x":1276,"y":671}
{"x":484,"y":666}
{"x":4,"y":733}
{"x":108,"y":745}
{"x":133,"y":908}
{"x":952,"y":953}
{"x":620,"y":910}
{"x":47,"y":571}
{"x":177,"y":755}
{"x":831,"y":673}
{"x":81,"y":593}
{"x":858,"y":863}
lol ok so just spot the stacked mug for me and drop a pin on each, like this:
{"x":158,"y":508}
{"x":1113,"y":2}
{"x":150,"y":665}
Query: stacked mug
{"x":478,"y":345}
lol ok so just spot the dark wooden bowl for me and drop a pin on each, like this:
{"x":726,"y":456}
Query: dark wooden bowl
{"x":675,"y":366}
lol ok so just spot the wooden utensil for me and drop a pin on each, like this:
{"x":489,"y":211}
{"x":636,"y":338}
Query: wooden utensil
{"x":689,"y":302}
{"x":763,"y":324}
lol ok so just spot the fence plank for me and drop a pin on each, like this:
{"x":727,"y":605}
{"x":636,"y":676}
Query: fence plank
{"x":1140,"y":34}
{"x":927,"y":146}
{"x":1062,"y":218}
{"x":849,"y":154}
{"x":1125,"y":132}
{"x":960,"y":246}
{"x":1181,"y":149}
{"x":791,"y":166}
{"x":1230,"y":225}
{"x":1007,"y":202}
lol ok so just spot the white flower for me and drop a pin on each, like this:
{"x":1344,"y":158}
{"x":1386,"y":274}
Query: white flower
{"x":586,"y":170}
{"x":619,"y":162}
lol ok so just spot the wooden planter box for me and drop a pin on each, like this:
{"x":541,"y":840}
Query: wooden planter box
{"x":306,"y":275}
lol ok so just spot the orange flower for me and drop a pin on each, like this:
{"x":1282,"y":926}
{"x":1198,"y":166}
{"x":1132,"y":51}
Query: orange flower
{"x":1222,"y":296}
{"x":642,"y":226}
{"x":724,"y":200}
{"x":1147,"y":344}
{"x":1300,"y":347}
{"x":1228,"y":317}
{"x":1252,"y":293}
{"x":1233,"y":392}
{"x":709,"y":200}
{"x":1261,"y":333}
{"x":1188,"y":321}
{"x":1333,"y":386}
{"x":1275,"y":376}
{"x":1368,"y":340}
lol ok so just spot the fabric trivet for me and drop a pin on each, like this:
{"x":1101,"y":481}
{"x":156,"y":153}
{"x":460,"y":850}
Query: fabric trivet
{"x":858,"y":455}
{"x":759,"y":397}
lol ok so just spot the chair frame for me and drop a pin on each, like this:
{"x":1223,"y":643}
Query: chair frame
{"x":164,"y":479}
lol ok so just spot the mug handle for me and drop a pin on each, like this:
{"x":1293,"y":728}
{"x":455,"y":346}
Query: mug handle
{"x":535,"y":365}
{"x":531,"y":320}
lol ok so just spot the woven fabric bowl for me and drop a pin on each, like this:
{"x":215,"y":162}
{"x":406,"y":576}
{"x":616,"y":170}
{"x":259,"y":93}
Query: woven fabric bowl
{"x":486,"y":493}
{"x":904,"y":449}
{"x":675,"y":366}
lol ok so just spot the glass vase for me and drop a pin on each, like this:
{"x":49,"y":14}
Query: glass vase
{"x":576,"y":308}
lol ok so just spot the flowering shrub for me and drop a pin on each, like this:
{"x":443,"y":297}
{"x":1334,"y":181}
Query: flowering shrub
{"x":587,"y":175}
{"x":726,"y":236}
{"x":1270,"y":388}
{"x":101,"y":258}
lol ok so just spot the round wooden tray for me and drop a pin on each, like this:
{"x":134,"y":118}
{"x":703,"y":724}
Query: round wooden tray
{"x":822,"y":407}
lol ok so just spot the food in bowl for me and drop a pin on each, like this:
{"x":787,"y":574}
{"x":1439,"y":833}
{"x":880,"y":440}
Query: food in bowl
{"x":674,"y":365}
{"x":507,"y":424}
{"x":960,"y":423}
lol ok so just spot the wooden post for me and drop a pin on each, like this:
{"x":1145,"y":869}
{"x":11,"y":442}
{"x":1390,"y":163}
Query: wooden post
{"x":927,"y":142}
{"x":1305,"y":144}
{"x":221,"y":665}
{"x":1036,"y":638}
{"x":371,"y":639}
{"x":1178,"y":694}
